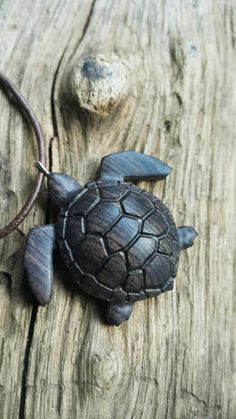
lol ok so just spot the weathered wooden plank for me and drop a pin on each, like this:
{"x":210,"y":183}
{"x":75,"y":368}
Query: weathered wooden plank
{"x":28,"y":32}
{"x":175,"y":357}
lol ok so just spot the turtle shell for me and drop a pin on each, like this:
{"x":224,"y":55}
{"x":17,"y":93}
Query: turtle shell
{"x":119,"y":241}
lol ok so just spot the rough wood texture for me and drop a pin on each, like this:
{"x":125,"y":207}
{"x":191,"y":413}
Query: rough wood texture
{"x":99,"y":84}
{"x":175,"y":357}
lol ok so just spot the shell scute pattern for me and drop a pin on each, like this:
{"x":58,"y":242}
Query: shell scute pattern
{"x":130,"y":205}
{"x":84,"y":202}
{"x":113,"y":191}
{"x":103,"y":216}
{"x":123,"y":233}
{"x":140,"y":251}
{"x":119,"y":242}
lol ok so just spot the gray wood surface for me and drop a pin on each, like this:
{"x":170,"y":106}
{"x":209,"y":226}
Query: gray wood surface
{"x":175,"y":357}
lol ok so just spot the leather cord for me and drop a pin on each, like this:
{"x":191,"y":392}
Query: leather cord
{"x":26,"y":110}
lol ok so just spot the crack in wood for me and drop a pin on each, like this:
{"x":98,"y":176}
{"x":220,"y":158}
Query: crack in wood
{"x":184,"y":339}
{"x":23,"y":393}
{"x":88,"y":20}
{"x":216,"y":406}
{"x":26,"y":362}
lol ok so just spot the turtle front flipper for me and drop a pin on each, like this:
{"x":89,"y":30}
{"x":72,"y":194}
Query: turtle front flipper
{"x":133,"y":165}
{"x":118,"y":312}
{"x":38,"y":262}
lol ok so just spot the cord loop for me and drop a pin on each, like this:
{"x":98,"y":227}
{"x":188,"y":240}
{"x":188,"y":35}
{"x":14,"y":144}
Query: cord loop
{"x":25,"y":108}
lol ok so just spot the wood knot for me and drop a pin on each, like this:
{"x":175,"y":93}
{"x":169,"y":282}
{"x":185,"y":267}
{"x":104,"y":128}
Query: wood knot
{"x":99,"y":83}
{"x":104,"y":370}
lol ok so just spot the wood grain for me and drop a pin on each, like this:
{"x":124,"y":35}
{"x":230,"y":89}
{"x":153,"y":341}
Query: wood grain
{"x":175,"y":358}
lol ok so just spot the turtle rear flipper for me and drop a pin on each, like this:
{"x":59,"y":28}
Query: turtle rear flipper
{"x":118,"y":312}
{"x":133,"y":165}
{"x":187,"y":236}
{"x":38,"y":262}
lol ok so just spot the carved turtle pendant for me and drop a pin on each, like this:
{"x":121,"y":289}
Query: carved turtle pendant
{"x":119,"y":242}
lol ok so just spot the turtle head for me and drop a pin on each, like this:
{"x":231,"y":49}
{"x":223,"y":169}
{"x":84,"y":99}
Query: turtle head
{"x":60,"y":187}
